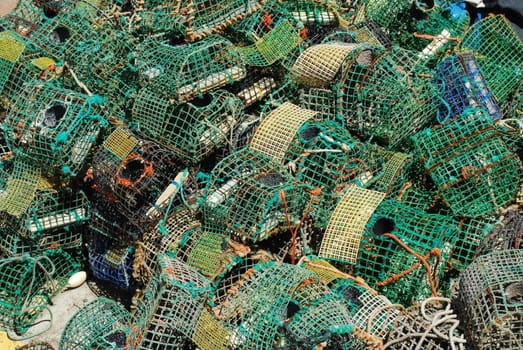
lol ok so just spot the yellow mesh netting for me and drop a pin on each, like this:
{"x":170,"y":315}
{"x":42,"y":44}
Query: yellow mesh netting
{"x":21,"y":188}
{"x":276,"y":131}
{"x":10,"y":48}
{"x":392,"y":168}
{"x":317,"y":66}
{"x":210,"y":334}
{"x":43,"y":62}
{"x":345,"y":228}
{"x":325,"y":270}
{"x":207,"y":253}
{"x":121,"y":143}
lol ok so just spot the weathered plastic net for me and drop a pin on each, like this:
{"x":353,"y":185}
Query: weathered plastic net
{"x":506,"y":234}
{"x":472,"y":167}
{"x":27,"y":285}
{"x":490,"y":295}
{"x":183,"y":72}
{"x":11,"y":49}
{"x":398,"y":247}
{"x":100,"y":324}
{"x":463,"y":87}
{"x":170,"y":309}
{"x":53,"y":126}
{"x":194,"y":129}
{"x":499,"y":52}
{"x":136,"y":175}
{"x":253,"y":196}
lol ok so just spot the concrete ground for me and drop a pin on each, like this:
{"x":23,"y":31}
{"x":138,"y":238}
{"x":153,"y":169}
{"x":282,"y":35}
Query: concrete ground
{"x":64,"y":306}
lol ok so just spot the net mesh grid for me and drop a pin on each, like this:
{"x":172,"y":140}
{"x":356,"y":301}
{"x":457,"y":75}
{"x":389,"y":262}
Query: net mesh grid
{"x":210,"y":334}
{"x":181,"y":73}
{"x":27,"y":288}
{"x":464,"y":86}
{"x":490,"y":298}
{"x":276,"y":131}
{"x":379,"y":257}
{"x":194,"y":129}
{"x":100,"y":324}
{"x":11,"y":49}
{"x":343,"y":235}
{"x":475,"y":172}
{"x":245,"y":195}
{"x":36,"y":345}
{"x":320,"y":100}
{"x":20,"y":188}
{"x":490,"y":39}
{"x":505,"y":234}
{"x":53,"y":126}
{"x":172,"y":304}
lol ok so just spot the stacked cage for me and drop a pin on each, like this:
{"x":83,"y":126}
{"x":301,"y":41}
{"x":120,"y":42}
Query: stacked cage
{"x":28,"y":283}
{"x":252,"y":196}
{"x":100,"y":324}
{"x":171,"y":306}
{"x":491,"y":300}
{"x":474,"y":170}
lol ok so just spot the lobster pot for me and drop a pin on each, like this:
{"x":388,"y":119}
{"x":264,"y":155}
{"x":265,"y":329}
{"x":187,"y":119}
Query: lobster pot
{"x":138,"y":176}
{"x":111,"y":262}
{"x":27,"y":16}
{"x":490,"y":298}
{"x":107,"y":220}
{"x":370,"y":311}
{"x":37,"y":345}
{"x":28,"y":283}
{"x":171,"y":306}
{"x":205,"y":17}
{"x":253,"y":196}
{"x":12,"y":47}
{"x":410,"y":326}
{"x":505,"y":234}
{"x":256,"y":305}
{"x":268,"y":35}
{"x":19,"y":182}
{"x":52,"y":212}
{"x":381,"y":256}
{"x":475,"y":172}
{"x":192,"y":130}
{"x":322,"y":317}
{"x":165,"y":237}
{"x":100,"y":324}
{"x":388,"y":96}
{"x":368,"y":31}
{"x":464,"y":87}
{"x":54,"y":127}
{"x":386,"y":14}
{"x":499,"y":52}
{"x":184,"y":72}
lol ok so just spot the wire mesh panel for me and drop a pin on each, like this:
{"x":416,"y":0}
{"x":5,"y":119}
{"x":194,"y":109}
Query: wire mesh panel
{"x":472,"y":167}
{"x":194,"y":129}
{"x":136,"y":175}
{"x":169,"y":312}
{"x":506,"y":234}
{"x":11,"y":48}
{"x":181,"y":73}
{"x":253,"y":196}
{"x":490,"y":298}
{"x":464,"y":86}
{"x":345,"y":228}
{"x":400,"y":246}
{"x":100,"y":324}
{"x":53,"y":126}
{"x":274,"y":134}
{"x":26,"y":16}
{"x":27,"y":285}
{"x":210,"y":334}
{"x":384,"y":13}
{"x":19,"y":187}
{"x":268,"y":35}
{"x":499,"y":52}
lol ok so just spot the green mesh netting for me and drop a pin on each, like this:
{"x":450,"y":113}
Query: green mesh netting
{"x":490,"y":292}
{"x":27,"y":285}
{"x":11,"y":48}
{"x":100,"y":324}
{"x":183,"y":72}
{"x":54,"y":126}
{"x":472,"y":167}
{"x":267,"y":35}
{"x":499,"y":52}
{"x":171,"y":305}
{"x":253,"y":196}
{"x":383,"y":258}
{"x":384,"y":12}
{"x":20,"y":187}
{"x":194,"y":129}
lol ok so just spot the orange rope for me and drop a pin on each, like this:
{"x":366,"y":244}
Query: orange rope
{"x":433,"y":282}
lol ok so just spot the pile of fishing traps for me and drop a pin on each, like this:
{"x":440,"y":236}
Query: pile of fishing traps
{"x":262,"y":174}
